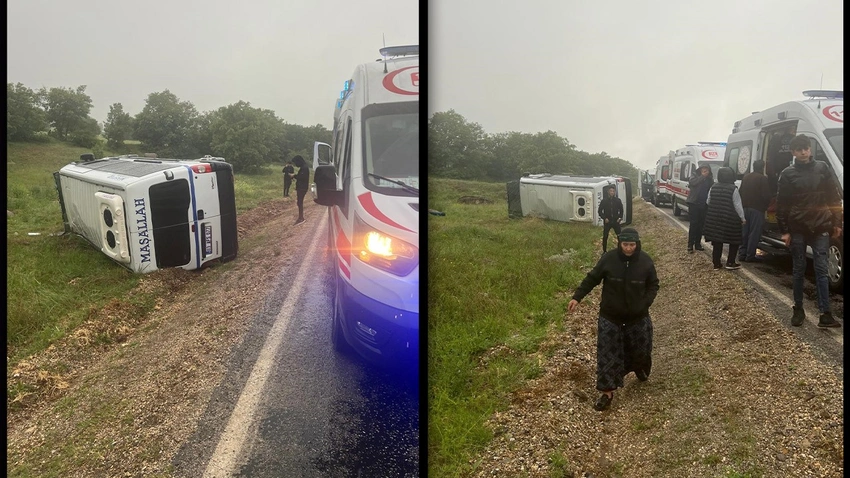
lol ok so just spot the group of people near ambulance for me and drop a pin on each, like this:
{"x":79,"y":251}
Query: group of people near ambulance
{"x":808,"y":211}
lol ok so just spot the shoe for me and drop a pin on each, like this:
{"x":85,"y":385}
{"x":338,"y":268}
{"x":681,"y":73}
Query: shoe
{"x":299,"y":221}
{"x":699,"y":248}
{"x":690,"y":250}
{"x":826,"y":321}
{"x":603,"y":402}
{"x":733,"y":266}
{"x":641,"y":375}
{"x":718,"y":266}
{"x":798,"y":317}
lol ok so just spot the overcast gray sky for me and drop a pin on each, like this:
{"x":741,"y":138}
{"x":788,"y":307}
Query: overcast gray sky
{"x":633,"y":79}
{"x":291,"y":57}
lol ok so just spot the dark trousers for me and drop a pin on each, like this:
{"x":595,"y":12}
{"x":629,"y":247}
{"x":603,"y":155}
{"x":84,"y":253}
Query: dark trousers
{"x":300,"y":196}
{"x":751,"y":233}
{"x":820,"y":249}
{"x":611,"y":224}
{"x":717,"y":251}
{"x":286,"y":185}
{"x":696,"y":221}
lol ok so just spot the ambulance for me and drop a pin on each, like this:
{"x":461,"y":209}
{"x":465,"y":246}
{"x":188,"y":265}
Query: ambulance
{"x":765,"y":134}
{"x":686,"y":161}
{"x":662,"y":193}
{"x":369,"y":179}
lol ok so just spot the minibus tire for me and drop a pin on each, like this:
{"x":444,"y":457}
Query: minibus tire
{"x":835,"y":264}
{"x":676,"y":210}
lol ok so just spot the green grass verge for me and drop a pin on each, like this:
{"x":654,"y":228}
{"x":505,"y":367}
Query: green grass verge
{"x":492,"y":283}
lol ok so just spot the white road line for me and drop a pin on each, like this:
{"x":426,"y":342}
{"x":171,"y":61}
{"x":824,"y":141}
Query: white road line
{"x":229,"y":449}
{"x":811,"y":313}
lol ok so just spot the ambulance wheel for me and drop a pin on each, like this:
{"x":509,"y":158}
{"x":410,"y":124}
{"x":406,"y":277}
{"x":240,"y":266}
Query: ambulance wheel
{"x":337,"y":335}
{"x":676,"y":210}
{"x":835,"y":264}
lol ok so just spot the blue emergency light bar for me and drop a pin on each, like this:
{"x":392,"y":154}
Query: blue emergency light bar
{"x":399,"y":50}
{"x":831,"y":94}
{"x":711,"y":143}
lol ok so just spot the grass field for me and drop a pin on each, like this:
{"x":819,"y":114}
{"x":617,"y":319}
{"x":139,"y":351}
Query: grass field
{"x":54,"y":280}
{"x":495,"y":285}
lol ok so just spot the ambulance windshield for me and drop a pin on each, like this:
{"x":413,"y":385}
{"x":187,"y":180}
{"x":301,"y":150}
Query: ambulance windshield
{"x":391,"y":138}
{"x":836,"y":140}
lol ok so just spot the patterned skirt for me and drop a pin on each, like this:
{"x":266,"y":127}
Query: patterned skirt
{"x":621,"y":349}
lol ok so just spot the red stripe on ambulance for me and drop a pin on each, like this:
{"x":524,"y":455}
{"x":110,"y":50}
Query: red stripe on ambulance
{"x":370,"y":207}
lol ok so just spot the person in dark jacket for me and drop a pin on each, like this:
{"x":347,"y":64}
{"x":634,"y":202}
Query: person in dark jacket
{"x":808,"y":211}
{"x":755,"y":197}
{"x":724,"y":219}
{"x":611,"y":212}
{"x":624,"y":328}
{"x":302,"y":185}
{"x":698,"y":184}
{"x":288,"y":174}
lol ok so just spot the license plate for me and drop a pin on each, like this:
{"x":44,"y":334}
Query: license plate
{"x":207,"y":240}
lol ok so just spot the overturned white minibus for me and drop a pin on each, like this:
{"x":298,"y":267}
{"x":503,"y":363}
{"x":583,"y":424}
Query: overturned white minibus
{"x":148,"y":214}
{"x":566,"y":198}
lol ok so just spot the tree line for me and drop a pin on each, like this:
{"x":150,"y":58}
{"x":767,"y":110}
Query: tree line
{"x":460,"y":149}
{"x":246,"y":136}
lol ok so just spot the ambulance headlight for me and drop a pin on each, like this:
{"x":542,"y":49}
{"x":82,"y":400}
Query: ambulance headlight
{"x":384,"y":251}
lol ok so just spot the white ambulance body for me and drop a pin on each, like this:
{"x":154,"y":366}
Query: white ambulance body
{"x":663,"y":172}
{"x":763,"y":135}
{"x":148,"y":214}
{"x":688,"y":159}
{"x":571,"y":198}
{"x":369,"y":178}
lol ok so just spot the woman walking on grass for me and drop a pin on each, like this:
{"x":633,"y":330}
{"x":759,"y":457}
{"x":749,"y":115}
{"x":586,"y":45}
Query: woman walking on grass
{"x":724,"y":219}
{"x":624,"y":329}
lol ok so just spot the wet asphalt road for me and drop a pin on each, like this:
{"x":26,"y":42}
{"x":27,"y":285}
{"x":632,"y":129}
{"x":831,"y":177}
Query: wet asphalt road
{"x":771,"y":280}
{"x":319,"y":413}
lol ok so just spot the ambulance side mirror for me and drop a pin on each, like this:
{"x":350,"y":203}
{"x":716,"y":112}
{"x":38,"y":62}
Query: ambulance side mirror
{"x":324,"y":186}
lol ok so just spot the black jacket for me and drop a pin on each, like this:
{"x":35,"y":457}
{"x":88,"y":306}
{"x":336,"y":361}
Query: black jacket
{"x":629,"y":285}
{"x":808,"y":200}
{"x":611,"y":208}
{"x":722,"y":222}
{"x":287,"y":170}
{"x":755,"y":191}
{"x":698,"y":188}
{"x":302,"y":179}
